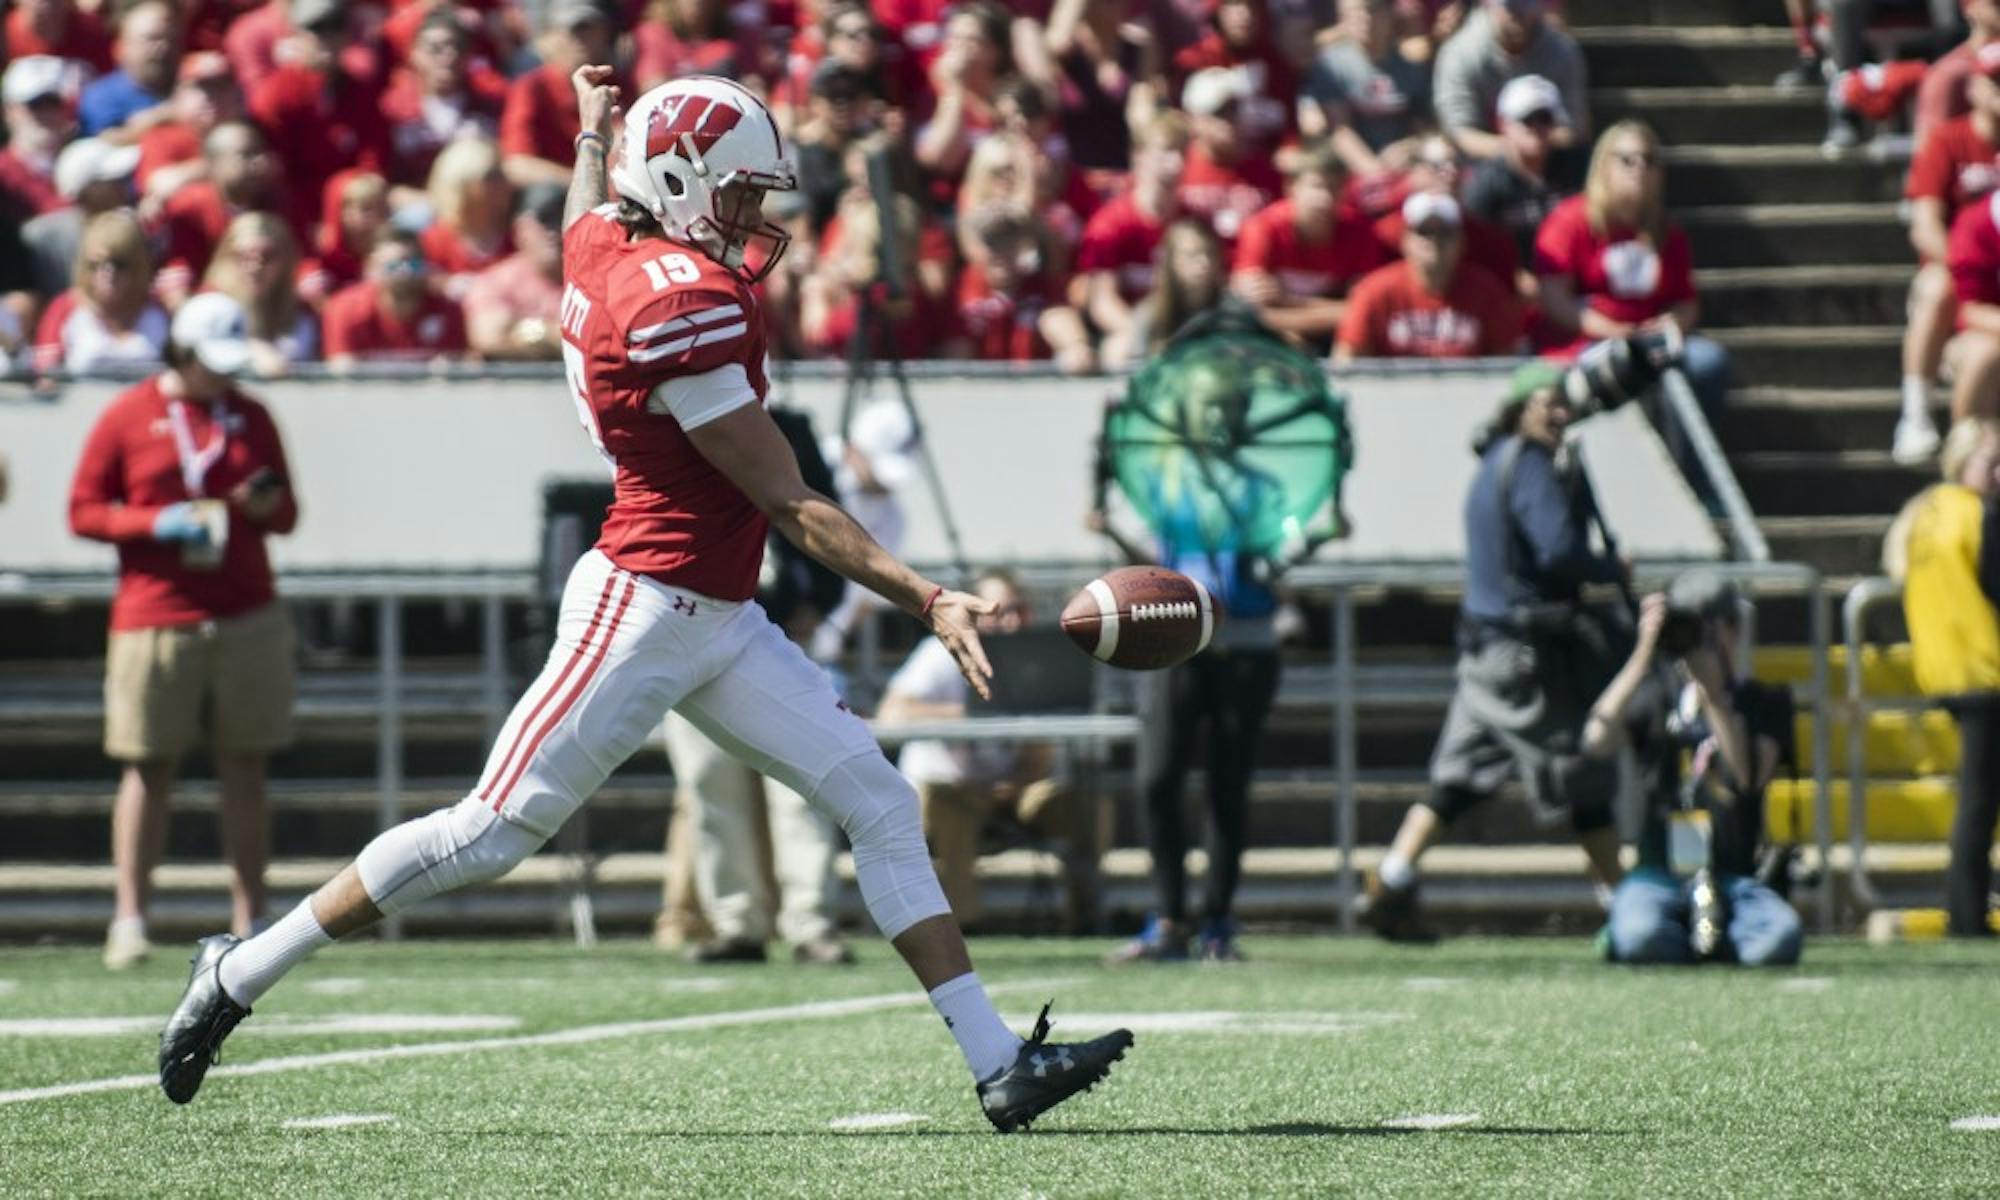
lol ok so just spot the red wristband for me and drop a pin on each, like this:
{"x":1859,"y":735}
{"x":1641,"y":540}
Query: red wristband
{"x":937,"y":591}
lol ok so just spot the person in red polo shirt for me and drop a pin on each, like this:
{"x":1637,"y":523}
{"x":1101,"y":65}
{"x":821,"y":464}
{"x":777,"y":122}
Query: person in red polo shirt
{"x":1008,"y":304}
{"x":243,"y":176}
{"x":170,"y":152}
{"x":393,"y":314}
{"x":1433,"y":303}
{"x":1974,"y":259}
{"x":1298,"y":257}
{"x":321,"y":112}
{"x":538,"y":124}
{"x":186,"y":476}
{"x":1957,"y":164}
{"x":1121,"y":239}
{"x":438,"y":98}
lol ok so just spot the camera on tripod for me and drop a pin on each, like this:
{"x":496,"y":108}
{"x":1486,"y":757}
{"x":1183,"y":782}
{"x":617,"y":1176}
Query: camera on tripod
{"x":1616,"y":370}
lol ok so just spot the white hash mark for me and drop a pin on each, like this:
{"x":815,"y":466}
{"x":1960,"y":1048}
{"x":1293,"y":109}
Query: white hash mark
{"x":1977,"y":1124}
{"x":339,"y":1121}
{"x":889,"y":1120}
{"x":1431,"y":1121}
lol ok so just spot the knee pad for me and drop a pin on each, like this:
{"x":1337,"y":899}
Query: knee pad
{"x":451,"y":848}
{"x":878,"y":808}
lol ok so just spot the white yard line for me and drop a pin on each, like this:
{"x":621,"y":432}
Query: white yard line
{"x":583,"y":1034}
{"x":338,"y":986}
{"x":1432,"y":1121}
{"x":876,"y":1120}
{"x":1805,"y":983}
{"x":7,"y":985}
{"x":89,"y":1027}
{"x":338,"y":1121}
{"x":1977,"y":1124}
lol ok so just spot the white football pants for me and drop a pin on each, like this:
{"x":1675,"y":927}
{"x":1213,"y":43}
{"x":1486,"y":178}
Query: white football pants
{"x":723,"y":796}
{"x":627,"y":650}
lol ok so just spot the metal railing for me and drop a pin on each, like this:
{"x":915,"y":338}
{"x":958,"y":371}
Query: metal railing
{"x":1861,"y":598}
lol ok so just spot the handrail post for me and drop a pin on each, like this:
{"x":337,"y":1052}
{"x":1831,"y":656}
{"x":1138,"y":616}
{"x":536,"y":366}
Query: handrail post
{"x":1854,"y":611}
{"x":493,"y":668}
{"x":1345,"y":801}
{"x":1821,"y":621}
{"x":389,"y":724}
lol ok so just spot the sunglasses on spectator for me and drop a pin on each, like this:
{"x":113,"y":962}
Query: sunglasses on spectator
{"x":1639,"y":161}
{"x":1439,"y":162}
{"x":855,"y":29}
{"x":117,"y":266}
{"x":404,"y":268}
{"x":1541,"y":119}
{"x":1435,"y":231}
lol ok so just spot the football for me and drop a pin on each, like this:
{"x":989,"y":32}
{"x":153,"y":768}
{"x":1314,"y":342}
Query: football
{"x":1141,"y":618}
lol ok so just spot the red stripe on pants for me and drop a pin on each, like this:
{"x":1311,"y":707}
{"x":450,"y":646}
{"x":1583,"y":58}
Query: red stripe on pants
{"x":569,"y":701}
{"x":576,"y":656}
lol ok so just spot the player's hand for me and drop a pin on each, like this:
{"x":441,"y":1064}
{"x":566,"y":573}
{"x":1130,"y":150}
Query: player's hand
{"x":954,"y":619}
{"x":596,"y":100}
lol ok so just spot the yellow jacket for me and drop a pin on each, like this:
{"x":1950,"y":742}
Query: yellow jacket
{"x":1954,"y":629}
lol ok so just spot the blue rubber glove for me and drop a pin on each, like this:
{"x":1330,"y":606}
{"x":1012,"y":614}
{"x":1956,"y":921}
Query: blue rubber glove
{"x":177,"y":523}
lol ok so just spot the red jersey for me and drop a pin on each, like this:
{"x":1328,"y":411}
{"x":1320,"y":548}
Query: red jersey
{"x":450,"y":253}
{"x":1227,"y":196}
{"x":132,"y":468}
{"x":1941,"y":96}
{"x":1953,"y":164}
{"x":1004,"y":328}
{"x":1974,"y":254}
{"x":83,"y":40}
{"x":356,"y":324}
{"x":539,"y":118}
{"x":1390,"y":315}
{"x":639,"y":318}
{"x":320,"y":126}
{"x":1617,"y":272}
{"x":1487,"y":246}
{"x":163,"y":146}
{"x":1122,"y":239}
{"x":1272,"y":243}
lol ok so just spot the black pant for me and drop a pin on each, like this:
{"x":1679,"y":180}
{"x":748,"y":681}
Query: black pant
{"x":1230,"y":692}
{"x":1968,"y":882}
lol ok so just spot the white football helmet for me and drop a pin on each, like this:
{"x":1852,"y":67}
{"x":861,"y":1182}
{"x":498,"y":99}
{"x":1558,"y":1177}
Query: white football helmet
{"x":686,"y":143}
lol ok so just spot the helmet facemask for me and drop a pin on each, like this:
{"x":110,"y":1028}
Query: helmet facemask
{"x":735,"y":233}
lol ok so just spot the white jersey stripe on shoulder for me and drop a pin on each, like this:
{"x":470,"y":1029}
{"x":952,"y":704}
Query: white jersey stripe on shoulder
{"x":652,"y":353}
{"x":708,"y":316}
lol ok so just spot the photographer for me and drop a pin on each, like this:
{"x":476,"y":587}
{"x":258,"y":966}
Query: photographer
{"x":1531,"y":654}
{"x":1709,"y":822}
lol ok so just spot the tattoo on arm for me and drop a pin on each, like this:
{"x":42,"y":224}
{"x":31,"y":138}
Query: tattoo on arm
{"x":588,"y":185}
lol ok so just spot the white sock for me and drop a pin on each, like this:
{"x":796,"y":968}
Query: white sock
{"x":1604,"y":893}
{"x":1916,"y":397}
{"x":248,"y":971}
{"x":988,"y":1045}
{"x":128,"y":926}
{"x":1396,"y":872}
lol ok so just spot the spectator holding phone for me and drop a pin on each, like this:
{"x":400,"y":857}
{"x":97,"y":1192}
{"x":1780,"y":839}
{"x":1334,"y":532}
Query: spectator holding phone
{"x":186,"y":476}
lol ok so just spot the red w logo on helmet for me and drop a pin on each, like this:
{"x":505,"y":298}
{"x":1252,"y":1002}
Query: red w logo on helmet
{"x":703,"y":119}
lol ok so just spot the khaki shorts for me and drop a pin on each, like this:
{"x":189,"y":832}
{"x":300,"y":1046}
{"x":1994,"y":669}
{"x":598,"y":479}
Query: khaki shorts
{"x":157,"y":680}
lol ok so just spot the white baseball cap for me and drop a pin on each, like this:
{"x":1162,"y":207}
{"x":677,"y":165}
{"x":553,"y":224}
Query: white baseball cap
{"x":1430,"y":206}
{"x":215,"y":330}
{"x":1526,"y":95}
{"x":29,"y":79}
{"x":1209,"y":89}
{"x":92,"y":160}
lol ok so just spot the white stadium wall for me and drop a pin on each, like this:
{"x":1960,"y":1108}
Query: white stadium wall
{"x":432,"y":475}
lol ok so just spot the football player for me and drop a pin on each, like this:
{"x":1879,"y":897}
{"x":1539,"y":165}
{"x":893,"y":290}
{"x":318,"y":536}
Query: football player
{"x":663,"y":351}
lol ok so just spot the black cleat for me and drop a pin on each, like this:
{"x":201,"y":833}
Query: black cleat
{"x":1394,"y":914}
{"x":1046,"y":1073}
{"x":192,"y":1040}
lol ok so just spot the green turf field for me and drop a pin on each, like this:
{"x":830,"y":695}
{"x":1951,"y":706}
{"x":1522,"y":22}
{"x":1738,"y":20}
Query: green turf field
{"x":1286,"y":1076}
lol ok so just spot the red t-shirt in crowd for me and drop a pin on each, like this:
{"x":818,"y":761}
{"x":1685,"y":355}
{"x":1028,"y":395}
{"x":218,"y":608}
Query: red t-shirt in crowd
{"x":1270,"y":113}
{"x":919,"y":326}
{"x":1227,"y":196}
{"x":415,"y":137}
{"x":399,"y":33}
{"x":357,"y":324}
{"x":1487,"y":246}
{"x":1122,"y":239}
{"x":83,"y":39}
{"x":1619,"y":273}
{"x":1272,"y":243}
{"x":1953,"y":164}
{"x":1390,"y":315}
{"x":208,"y":22}
{"x":449,"y":253}
{"x":1942,"y":94}
{"x":163,"y":146}
{"x":659,"y":54}
{"x":1004,"y":328}
{"x":1974,"y":253}
{"x":539,"y":118}
{"x":33,"y":191}
{"x":319,"y":129}
{"x":131,"y":469}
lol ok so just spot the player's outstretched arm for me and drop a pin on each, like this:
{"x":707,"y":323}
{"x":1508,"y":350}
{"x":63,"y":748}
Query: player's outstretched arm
{"x":748,"y":448}
{"x":597,"y":112}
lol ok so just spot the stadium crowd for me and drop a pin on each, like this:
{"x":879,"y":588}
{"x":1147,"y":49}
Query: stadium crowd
{"x":1036,"y":180}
